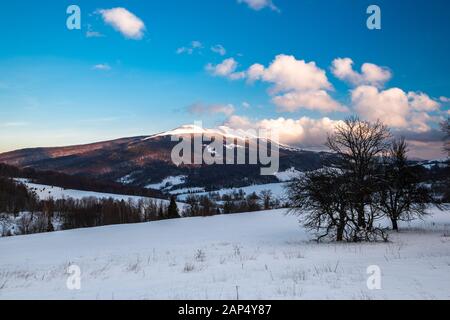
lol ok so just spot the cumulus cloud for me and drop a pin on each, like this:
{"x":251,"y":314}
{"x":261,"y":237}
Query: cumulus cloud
{"x":219,"y":49}
{"x":422,"y":102}
{"x":227,"y":68}
{"x":444,"y":99}
{"x":318,"y":100}
{"x":394,"y":107}
{"x":202,"y":109}
{"x":125,"y":22}
{"x":370,"y":74}
{"x":390,"y":106}
{"x":260,"y":4}
{"x":312,"y":134}
{"x":193,"y":46}
{"x":303,"y":132}
{"x":287,"y":73}
{"x":297,"y":84}
{"x":102,"y":67}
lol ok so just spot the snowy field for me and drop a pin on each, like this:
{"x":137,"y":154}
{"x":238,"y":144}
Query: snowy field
{"x":262,"y":255}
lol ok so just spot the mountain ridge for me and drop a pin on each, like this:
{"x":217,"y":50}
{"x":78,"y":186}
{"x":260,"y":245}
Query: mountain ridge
{"x":146,"y":159}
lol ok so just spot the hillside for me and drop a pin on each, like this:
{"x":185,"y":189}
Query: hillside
{"x":45,"y":192}
{"x":264,"y":255}
{"x":146,"y":161}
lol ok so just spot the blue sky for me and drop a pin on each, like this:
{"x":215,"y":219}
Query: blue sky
{"x":61,"y":87}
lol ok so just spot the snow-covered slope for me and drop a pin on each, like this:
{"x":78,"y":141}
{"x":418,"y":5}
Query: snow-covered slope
{"x":45,"y":192}
{"x":193,"y":129}
{"x":168,"y":183}
{"x":263,"y":255}
{"x":278,"y":191}
{"x":223,"y":131}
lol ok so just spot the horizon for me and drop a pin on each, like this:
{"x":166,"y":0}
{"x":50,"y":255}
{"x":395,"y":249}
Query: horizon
{"x":145,"y":136}
{"x":140,"y":68}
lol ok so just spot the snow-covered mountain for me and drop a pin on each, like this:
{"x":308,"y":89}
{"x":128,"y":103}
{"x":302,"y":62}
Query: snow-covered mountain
{"x":145,"y":161}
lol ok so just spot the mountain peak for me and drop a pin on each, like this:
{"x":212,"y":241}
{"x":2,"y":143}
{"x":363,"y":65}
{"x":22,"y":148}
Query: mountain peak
{"x":223,"y":131}
{"x":194,"y":129}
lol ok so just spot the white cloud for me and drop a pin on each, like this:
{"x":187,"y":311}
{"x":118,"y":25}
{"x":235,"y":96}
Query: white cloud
{"x":227,"y":68}
{"x":394,"y":107}
{"x":102,"y":67}
{"x":312,"y":133}
{"x":246,"y":105}
{"x":296,"y":84}
{"x":125,"y":22}
{"x":201,"y":109}
{"x":422,"y":102}
{"x":304,"y":132}
{"x":219,"y":49}
{"x":370,"y":74}
{"x":318,"y":100}
{"x":287,"y":73}
{"x":444,"y":99}
{"x":193,"y":46}
{"x":260,"y":4}
{"x":255,"y":72}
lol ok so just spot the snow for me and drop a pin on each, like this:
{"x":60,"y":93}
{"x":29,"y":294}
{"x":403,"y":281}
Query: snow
{"x":222,"y":131}
{"x":440,"y":163}
{"x":267,"y":255}
{"x":187,"y":191}
{"x":126,"y":179}
{"x":194,"y":129}
{"x":278,"y":190}
{"x":168,"y":182}
{"x":45,"y":192}
{"x":288,"y":175}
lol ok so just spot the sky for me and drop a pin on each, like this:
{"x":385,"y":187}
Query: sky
{"x":299,"y":66}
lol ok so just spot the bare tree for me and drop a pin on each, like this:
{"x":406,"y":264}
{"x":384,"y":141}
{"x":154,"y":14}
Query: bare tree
{"x":360,"y":144}
{"x":446,"y":129}
{"x":319,"y":198}
{"x":266,"y":196}
{"x":402,"y":197}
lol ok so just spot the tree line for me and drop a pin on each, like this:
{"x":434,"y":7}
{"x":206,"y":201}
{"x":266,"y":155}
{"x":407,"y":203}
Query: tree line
{"x":34,"y":215}
{"x":76,"y":182}
{"x":233,"y":202}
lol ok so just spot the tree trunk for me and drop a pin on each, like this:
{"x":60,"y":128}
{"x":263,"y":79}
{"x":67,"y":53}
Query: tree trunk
{"x":361,"y":220}
{"x":340,"y":228}
{"x":340,"y":235}
{"x":394,"y":224}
